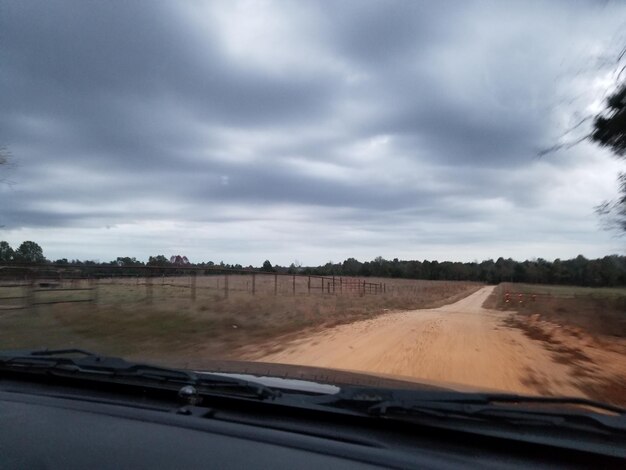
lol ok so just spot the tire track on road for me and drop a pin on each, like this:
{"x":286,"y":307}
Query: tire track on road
{"x":460,"y":343}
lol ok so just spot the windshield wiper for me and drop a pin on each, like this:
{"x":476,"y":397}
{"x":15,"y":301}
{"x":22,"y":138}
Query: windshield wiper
{"x":84,"y":364}
{"x":563,"y":412}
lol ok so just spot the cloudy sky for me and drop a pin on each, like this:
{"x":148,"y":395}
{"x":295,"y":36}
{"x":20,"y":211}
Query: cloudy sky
{"x":315,"y":131}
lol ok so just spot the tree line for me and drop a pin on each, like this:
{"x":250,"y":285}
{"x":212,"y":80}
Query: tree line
{"x":609,"y":271}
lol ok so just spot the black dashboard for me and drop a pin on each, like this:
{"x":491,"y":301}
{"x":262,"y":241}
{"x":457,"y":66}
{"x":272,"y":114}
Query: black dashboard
{"x":57,"y":430}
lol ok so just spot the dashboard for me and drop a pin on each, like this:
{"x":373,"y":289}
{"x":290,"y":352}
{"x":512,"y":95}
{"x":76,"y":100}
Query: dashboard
{"x":57,"y":430}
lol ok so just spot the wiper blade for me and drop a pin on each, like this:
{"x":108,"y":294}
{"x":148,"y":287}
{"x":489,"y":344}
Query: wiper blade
{"x":581,"y":420}
{"x":85,"y":364}
{"x":512,"y":399}
{"x":573,"y":413}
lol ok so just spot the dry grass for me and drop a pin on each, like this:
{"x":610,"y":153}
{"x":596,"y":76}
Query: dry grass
{"x":583,"y":328}
{"x":598,"y":311}
{"x":173,"y":327}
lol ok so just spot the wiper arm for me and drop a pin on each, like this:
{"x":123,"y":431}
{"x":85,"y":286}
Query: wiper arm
{"x":509,"y":399}
{"x":64,"y":362}
{"x":506,"y":414}
{"x":509,"y":408}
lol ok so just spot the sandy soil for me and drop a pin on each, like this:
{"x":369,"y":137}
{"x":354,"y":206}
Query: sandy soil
{"x":462,"y":343}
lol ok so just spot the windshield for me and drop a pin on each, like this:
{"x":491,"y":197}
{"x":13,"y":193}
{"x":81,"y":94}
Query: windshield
{"x":427,"y":192}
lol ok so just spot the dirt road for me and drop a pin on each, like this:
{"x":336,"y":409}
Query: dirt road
{"x":461,"y":343}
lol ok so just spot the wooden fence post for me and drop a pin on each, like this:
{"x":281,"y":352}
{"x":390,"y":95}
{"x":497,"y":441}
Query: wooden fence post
{"x":309,"y":285}
{"x":225,"y":286}
{"x":294,"y":284}
{"x":253,"y":283}
{"x":322,"y":286}
{"x":30,"y":294}
{"x":275,"y":284}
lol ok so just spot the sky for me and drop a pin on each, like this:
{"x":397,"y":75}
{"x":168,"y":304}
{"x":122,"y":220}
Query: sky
{"x":310,"y":131}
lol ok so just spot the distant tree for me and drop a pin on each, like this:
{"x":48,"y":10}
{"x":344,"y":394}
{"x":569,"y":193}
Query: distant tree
{"x":380,"y":267}
{"x":351,"y":267}
{"x":519,"y":272}
{"x":61,"y":261}
{"x":504,"y":270}
{"x":267,"y":267}
{"x":413,"y":269}
{"x":127,"y":261}
{"x":486,"y":272}
{"x":7,"y":255}
{"x":179,"y":260}
{"x":435,"y":271}
{"x":366,"y":269}
{"x":158,"y":260}
{"x":295,"y":267}
{"x":611,"y":271}
{"x":396,"y":269}
{"x":29,"y":253}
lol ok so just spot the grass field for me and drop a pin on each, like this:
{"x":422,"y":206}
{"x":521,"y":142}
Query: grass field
{"x":566,"y":291}
{"x":600,"y":311}
{"x":159,"y":321}
{"x":584,"y":328}
{"x":210,"y":288}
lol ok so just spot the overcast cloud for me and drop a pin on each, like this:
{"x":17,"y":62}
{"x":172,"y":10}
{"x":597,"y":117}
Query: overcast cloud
{"x":316,"y":131}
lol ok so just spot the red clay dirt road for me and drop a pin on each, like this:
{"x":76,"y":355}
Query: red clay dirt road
{"x":462,"y":343}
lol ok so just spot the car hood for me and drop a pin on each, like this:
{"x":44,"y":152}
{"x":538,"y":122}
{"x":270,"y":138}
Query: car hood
{"x":322,"y":380}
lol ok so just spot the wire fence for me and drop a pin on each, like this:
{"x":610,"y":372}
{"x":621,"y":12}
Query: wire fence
{"x":23,"y":287}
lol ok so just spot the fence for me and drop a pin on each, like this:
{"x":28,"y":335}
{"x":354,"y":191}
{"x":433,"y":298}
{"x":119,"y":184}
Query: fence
{"x":32,"y":293}
{"x":512,"y":294}
{"x":28,"y":286}
{"x":521,"y":297}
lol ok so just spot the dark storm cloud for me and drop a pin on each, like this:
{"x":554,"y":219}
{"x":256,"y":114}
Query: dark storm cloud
{"x":112,"y":80}
{"x":413,"y":116}
{"x":78,"y":56}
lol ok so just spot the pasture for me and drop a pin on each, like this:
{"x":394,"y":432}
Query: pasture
{"x":598,"y":311}
{"x":169,"y":318}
